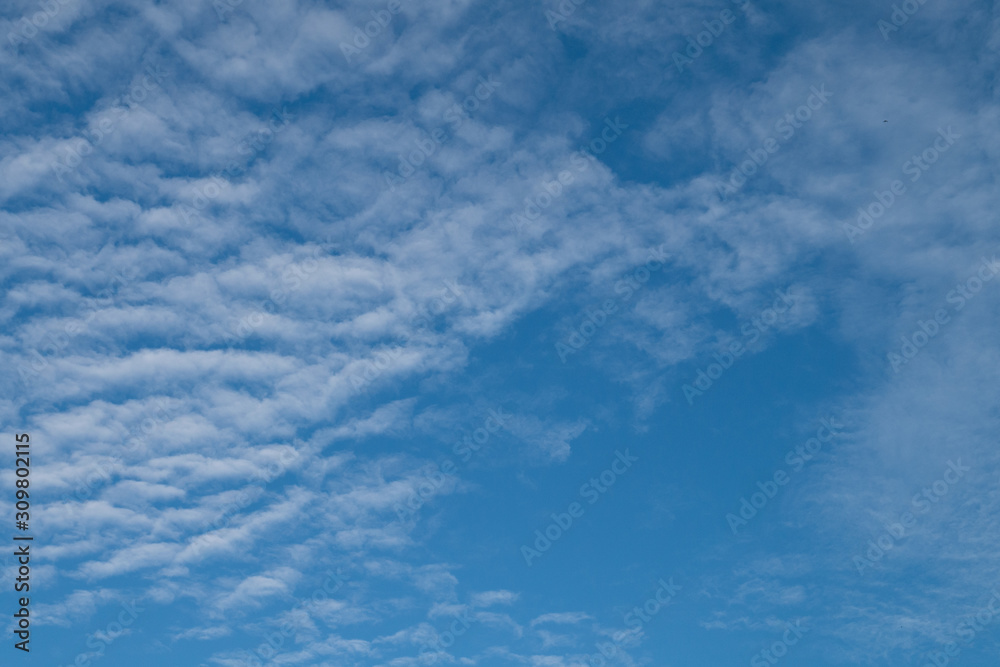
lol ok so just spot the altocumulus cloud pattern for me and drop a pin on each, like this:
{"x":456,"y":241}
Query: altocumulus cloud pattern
{"x":549,"y":334}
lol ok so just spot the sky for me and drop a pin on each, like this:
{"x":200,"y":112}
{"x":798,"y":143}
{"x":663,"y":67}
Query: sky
{"x":556,"y":334}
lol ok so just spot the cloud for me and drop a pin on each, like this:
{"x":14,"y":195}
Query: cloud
{"x":569,"y":617}
{"x":490,"y":598}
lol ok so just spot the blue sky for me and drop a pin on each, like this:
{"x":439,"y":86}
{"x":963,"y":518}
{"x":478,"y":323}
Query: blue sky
{"x":548,"y":334}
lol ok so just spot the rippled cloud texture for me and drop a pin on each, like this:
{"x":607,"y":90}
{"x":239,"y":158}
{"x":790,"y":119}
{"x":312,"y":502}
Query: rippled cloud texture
{"x":409,"y":333}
